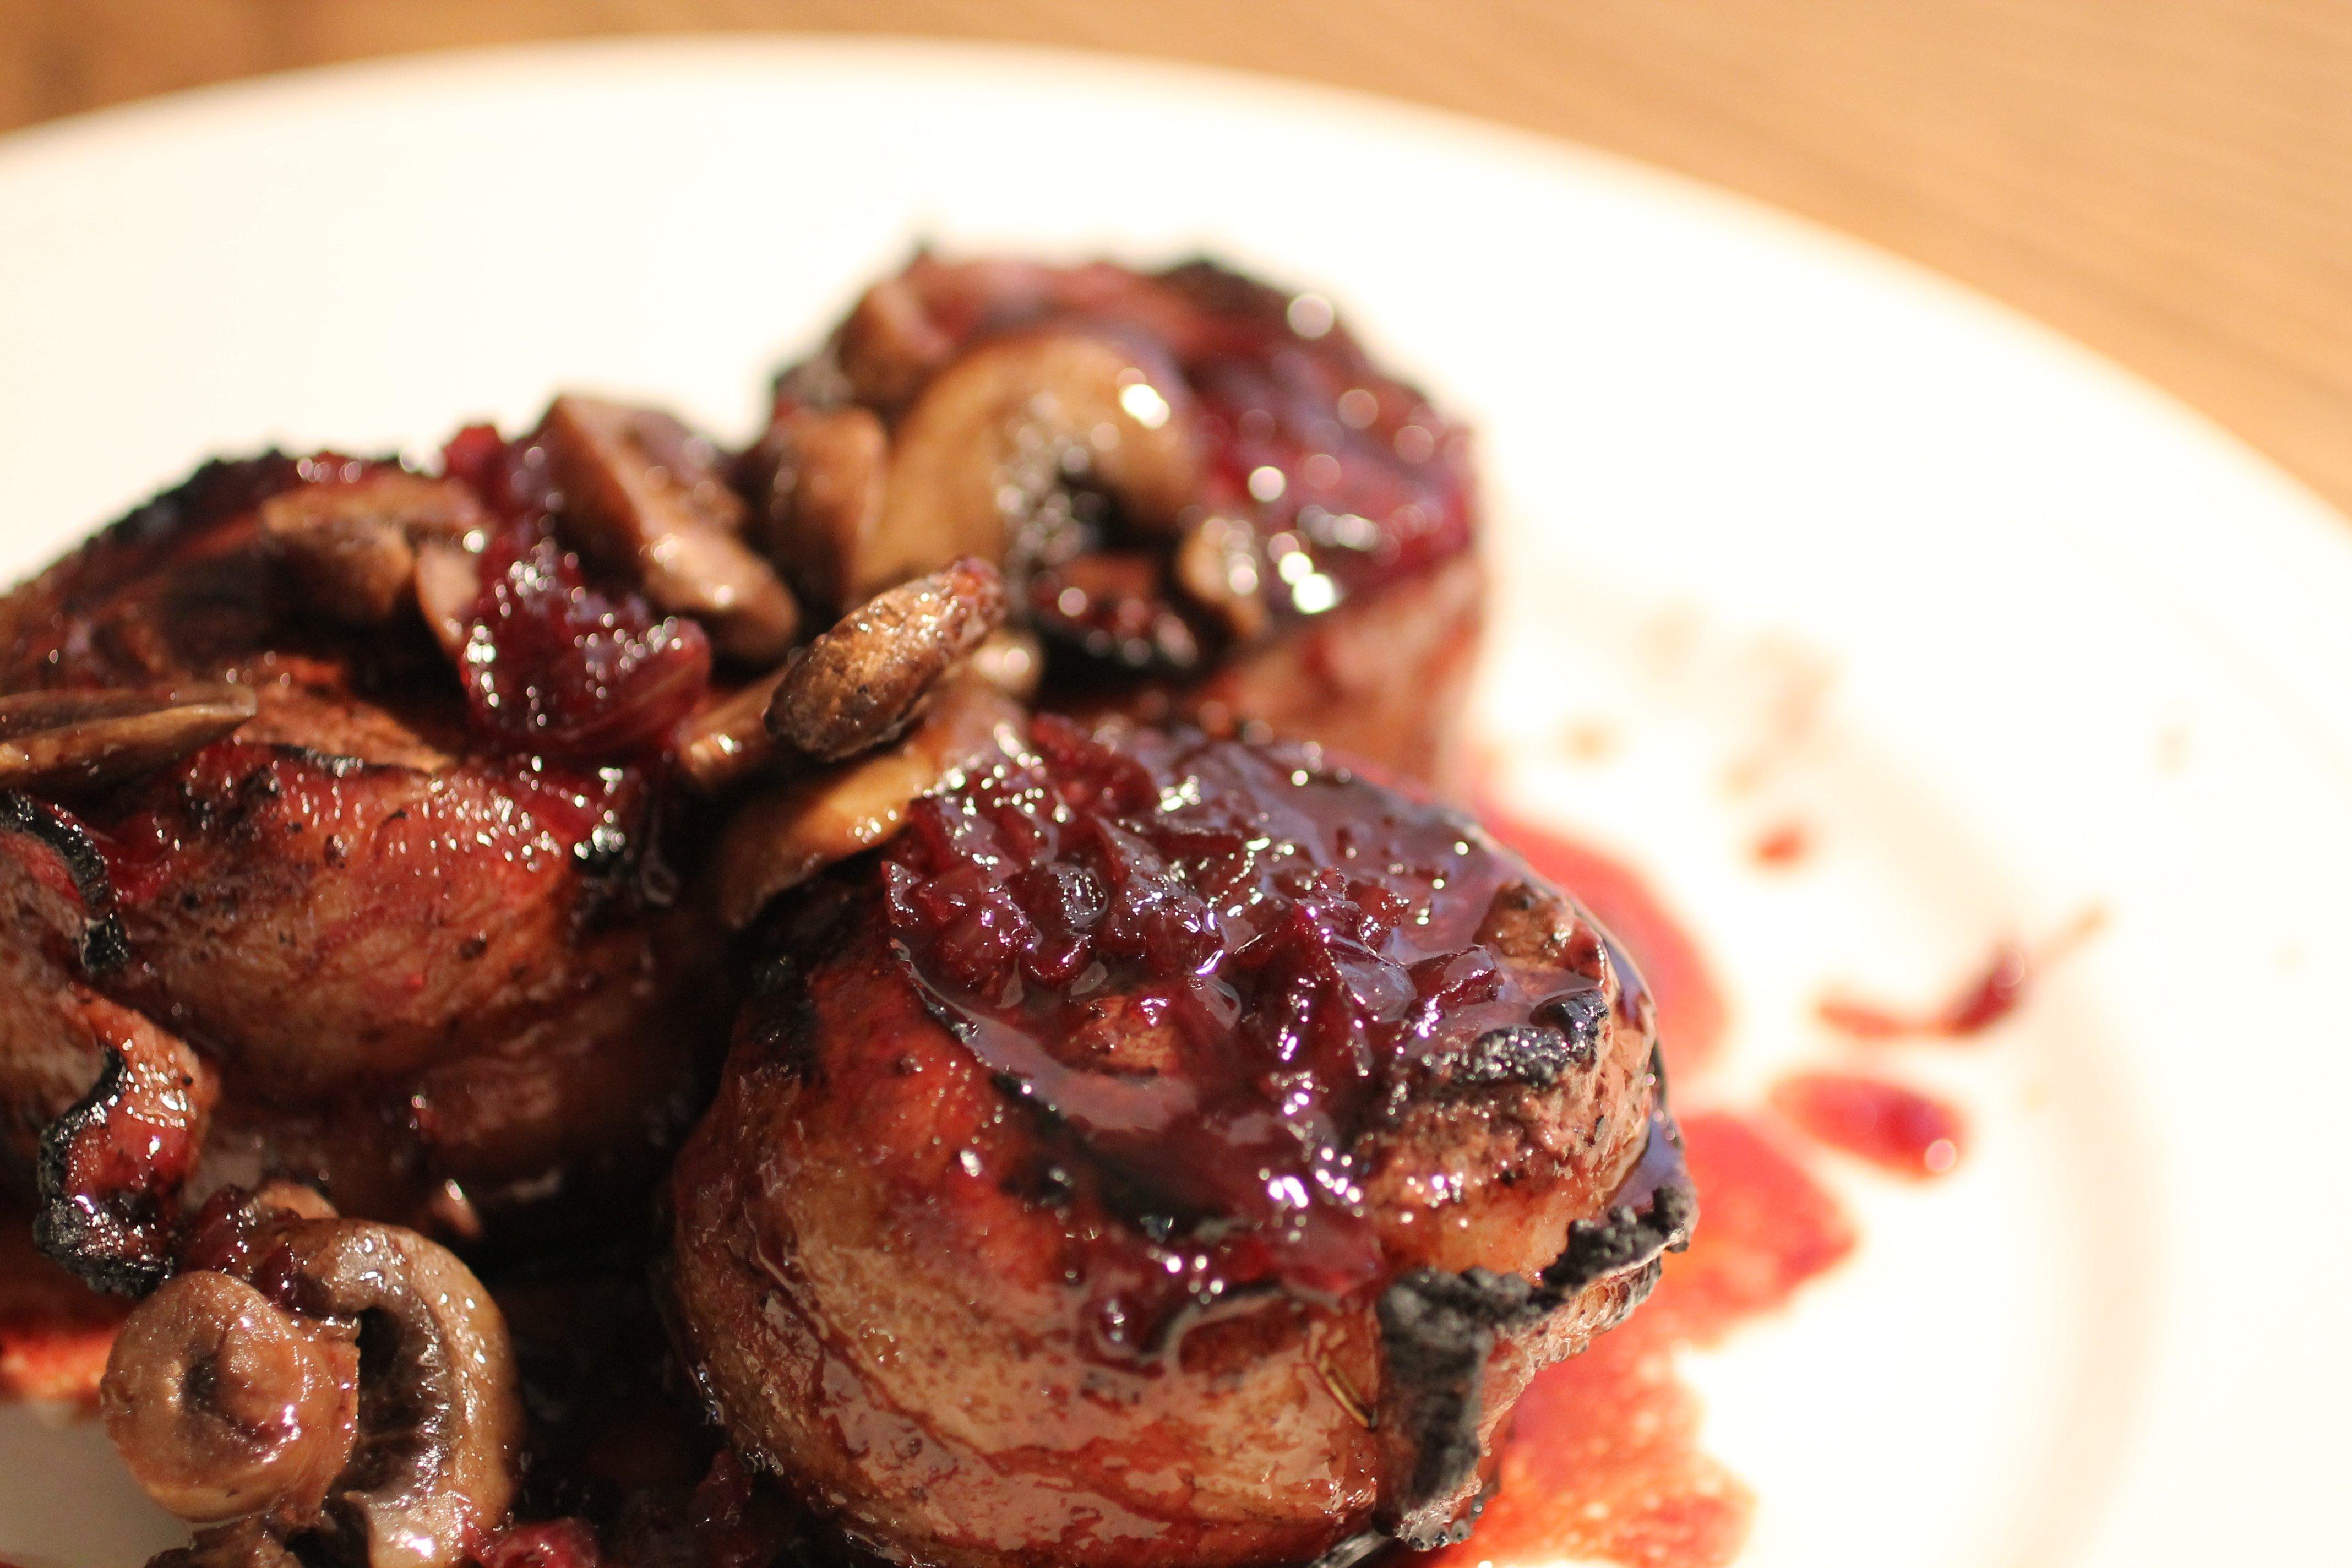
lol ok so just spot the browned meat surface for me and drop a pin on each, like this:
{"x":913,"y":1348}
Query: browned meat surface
{"x":1166,"y":1152}
{"x":410,"y":959}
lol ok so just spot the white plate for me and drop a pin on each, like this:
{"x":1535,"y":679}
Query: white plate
{"x":2079,"y":648}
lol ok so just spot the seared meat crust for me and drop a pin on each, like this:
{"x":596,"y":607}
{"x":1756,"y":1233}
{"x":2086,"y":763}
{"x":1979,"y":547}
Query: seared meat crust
{"x":963,"y":1262}
{"x":412,"y":959}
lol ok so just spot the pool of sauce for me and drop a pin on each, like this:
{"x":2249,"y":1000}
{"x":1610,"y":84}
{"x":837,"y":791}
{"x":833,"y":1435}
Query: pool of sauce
{"x":1996,"y":990}
{"x":1604,"y":1461}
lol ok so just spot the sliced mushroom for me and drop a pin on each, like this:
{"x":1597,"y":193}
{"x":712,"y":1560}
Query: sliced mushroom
{"x":644,"y":494}
{"x":819,"y":475}
{"x":224,"y":1405}
{"x":441,"y":1422}
{"x":352,"y":544}
{"x":863,"y":682}
{"x":372,"y":1397}
{"x":728,"y":740}
{"x":782,"y":839}
{"x":58,"y":742}
{"x":985,"y":460}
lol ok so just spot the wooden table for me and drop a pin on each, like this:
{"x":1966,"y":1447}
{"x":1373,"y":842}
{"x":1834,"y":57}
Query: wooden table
{"x":2169,"y":181}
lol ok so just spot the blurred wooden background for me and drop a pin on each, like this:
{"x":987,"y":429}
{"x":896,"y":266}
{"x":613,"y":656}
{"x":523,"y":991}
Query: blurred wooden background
{"x":2169,"y":181}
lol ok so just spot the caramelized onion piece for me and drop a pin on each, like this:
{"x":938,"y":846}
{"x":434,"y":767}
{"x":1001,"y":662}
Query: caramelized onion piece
{"x":60,"y":743}
{"x":782,"y":839}
{"x":224,"y":1404}
{"x":863,"y":682}
{"x":998,"y":434}
{"x":644,"y":494}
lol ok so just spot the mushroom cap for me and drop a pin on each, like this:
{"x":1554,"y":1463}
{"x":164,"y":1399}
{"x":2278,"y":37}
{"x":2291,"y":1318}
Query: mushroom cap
{"x":1015,"y":419}
{"x":644,"y":493}
{"x":223,"y":1404}
{"x":441,"y":1422}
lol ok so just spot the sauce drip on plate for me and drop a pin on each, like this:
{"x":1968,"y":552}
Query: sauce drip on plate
{"x":1603,"y":1460}
{"x":1893,"y":1126}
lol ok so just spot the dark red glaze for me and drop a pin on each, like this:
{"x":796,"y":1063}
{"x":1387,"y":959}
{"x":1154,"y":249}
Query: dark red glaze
{"x":1691,"y":1011}
{"x":151,"y":834}
{"x":1374,"y":485}
{"x":1998,"y":990}
{"x":552,"y":663}
{"x":551,"y":1543}
{"x":1603,"y":1461}
{"x":559,"y":669}
{"x":1895,"y":1128}
{"x":1293,"y":994}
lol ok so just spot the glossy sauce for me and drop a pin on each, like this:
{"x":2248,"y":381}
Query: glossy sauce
{"x":552,"y":663}
{"x":1603,"y":1460}
{"x":1263,"y":945}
